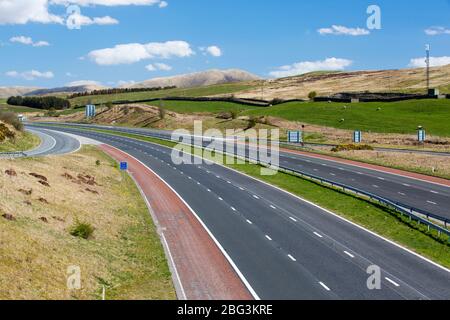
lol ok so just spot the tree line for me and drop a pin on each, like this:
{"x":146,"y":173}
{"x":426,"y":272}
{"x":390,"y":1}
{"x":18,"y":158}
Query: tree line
{"x":117,"y":91}
{"x":45,"y":103}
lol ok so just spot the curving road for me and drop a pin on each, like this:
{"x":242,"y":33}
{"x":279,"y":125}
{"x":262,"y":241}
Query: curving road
{"x":52,"y":143}
{"x":285,"y":247}
{"x":421,"y":195}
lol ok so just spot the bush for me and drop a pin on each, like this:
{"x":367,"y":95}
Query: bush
{"x":312,"y":95}
{"x":82,"y":230}
{"x":352,"y":147}
{"x":12,"y":119}
{"x":44,"y":103}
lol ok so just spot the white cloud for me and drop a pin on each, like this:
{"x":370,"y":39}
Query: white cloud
{"x":135,"y":52}
{"x":26,"y":11}
{"x":341,"y":30}
{"x":215,"y":51}
{"x":330,"y":64}
{"x":30,"y":75}
{"x":434,"y":62}
{"x":80,"y":83}
{"x":29,"y":41}
{"x":81,"y":20}
{"x":158,"y":66}
{"x":434,"y":31}
{"x":108,"y":3}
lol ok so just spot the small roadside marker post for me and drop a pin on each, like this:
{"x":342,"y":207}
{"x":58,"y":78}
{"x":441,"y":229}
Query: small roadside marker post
{"x":295,"y":136}
{"x":357,"y":137}
{"x":124,"y":166}
{"x":422,"y":135}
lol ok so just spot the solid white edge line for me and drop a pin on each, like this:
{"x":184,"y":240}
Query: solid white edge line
{"x":172,"y":266}
{"x":234,"y":266}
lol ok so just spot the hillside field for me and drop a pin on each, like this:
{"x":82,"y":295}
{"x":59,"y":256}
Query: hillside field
{"x":222,"y":89}
{"x":397,"y":117}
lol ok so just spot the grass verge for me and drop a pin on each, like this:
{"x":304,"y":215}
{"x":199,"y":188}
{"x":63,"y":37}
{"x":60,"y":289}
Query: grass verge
{"x":24,"y":141}
{"x":379,"y":219}
{"x":123,"y":251}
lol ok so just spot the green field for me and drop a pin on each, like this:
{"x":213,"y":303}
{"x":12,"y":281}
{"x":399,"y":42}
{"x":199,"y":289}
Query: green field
{"x":202,"y":107}
{"x":17,"y":109}
{"x":136,"y":96}
{"x":396,"y":117}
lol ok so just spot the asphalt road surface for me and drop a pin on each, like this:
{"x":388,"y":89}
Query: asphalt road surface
{"x":52,"y":143}
{"x":285,"y":247}
{"x":421,"y":195}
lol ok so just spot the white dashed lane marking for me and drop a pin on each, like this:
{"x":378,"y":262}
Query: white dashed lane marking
{"x":324,"y":286}
{"x":393,"y":282}
{"x":268,"y":238}
{"x":292,"y":258}
{"x":349,"y":254}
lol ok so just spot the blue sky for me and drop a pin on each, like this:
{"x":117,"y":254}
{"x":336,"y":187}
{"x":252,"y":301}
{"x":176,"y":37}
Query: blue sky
{"x":179,"y":36}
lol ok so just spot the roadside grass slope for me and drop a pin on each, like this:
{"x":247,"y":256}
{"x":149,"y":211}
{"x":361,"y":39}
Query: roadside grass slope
{"x":124,"y":253}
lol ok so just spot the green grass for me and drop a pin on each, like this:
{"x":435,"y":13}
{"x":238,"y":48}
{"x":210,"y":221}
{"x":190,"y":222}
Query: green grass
{"x":202,"y":107}
{"x":192,"y":92}
{"x":383,"y":221}
{"x":17,"y":109}
{"x":396,"y":117}
{"x":26,"y":141}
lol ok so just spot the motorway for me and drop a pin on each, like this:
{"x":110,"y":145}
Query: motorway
{"x":286,"y":247}
{"x":418,"y":194}
{"x":53,"y":143}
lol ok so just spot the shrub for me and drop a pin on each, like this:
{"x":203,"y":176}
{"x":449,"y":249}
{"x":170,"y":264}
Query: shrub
{"x":97,"y":163}
{"x":352,"y":147}
{"x":82,"y":230}
{"x":12,"y":119}
{"x":312,"y":95}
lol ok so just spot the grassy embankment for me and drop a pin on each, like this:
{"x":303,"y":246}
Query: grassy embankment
{"x":379,"y":219}
{"x":191,"y":92}
{"x":124,"y":252}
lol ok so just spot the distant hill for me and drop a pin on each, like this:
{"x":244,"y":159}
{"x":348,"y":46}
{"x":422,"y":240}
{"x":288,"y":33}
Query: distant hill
{"x":64,"y":90}
{"x":6,"y":92}
{"x":329,"y":83}
{"x":199,"y":79}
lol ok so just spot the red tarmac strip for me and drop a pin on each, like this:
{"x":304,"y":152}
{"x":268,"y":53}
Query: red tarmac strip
{"x":202,"y":269}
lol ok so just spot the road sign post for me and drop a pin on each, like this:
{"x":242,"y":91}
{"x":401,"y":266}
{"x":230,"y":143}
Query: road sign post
{"x":124,"y":166}
{"x":90,"y":111}
{"x":357,"y":137}
{"x":295,"y":136}
{"x":422,"y":135}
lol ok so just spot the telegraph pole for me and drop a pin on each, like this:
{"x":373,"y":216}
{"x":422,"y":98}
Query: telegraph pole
{"x":427,"y":48}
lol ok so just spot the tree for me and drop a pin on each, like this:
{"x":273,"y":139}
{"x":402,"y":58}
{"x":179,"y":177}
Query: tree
{"x":312,"y":95}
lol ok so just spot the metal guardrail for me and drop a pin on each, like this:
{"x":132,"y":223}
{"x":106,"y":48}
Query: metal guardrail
{"x":414,"y":214}
{"x":12,"y":154}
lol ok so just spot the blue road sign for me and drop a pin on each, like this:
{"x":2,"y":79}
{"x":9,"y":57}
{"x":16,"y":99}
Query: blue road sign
{"x":357,"y":137}
{"x":124,"y":166}
{"x":90,"y":111}
{"x":295,"y":136}
{"x":422,"y":135}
